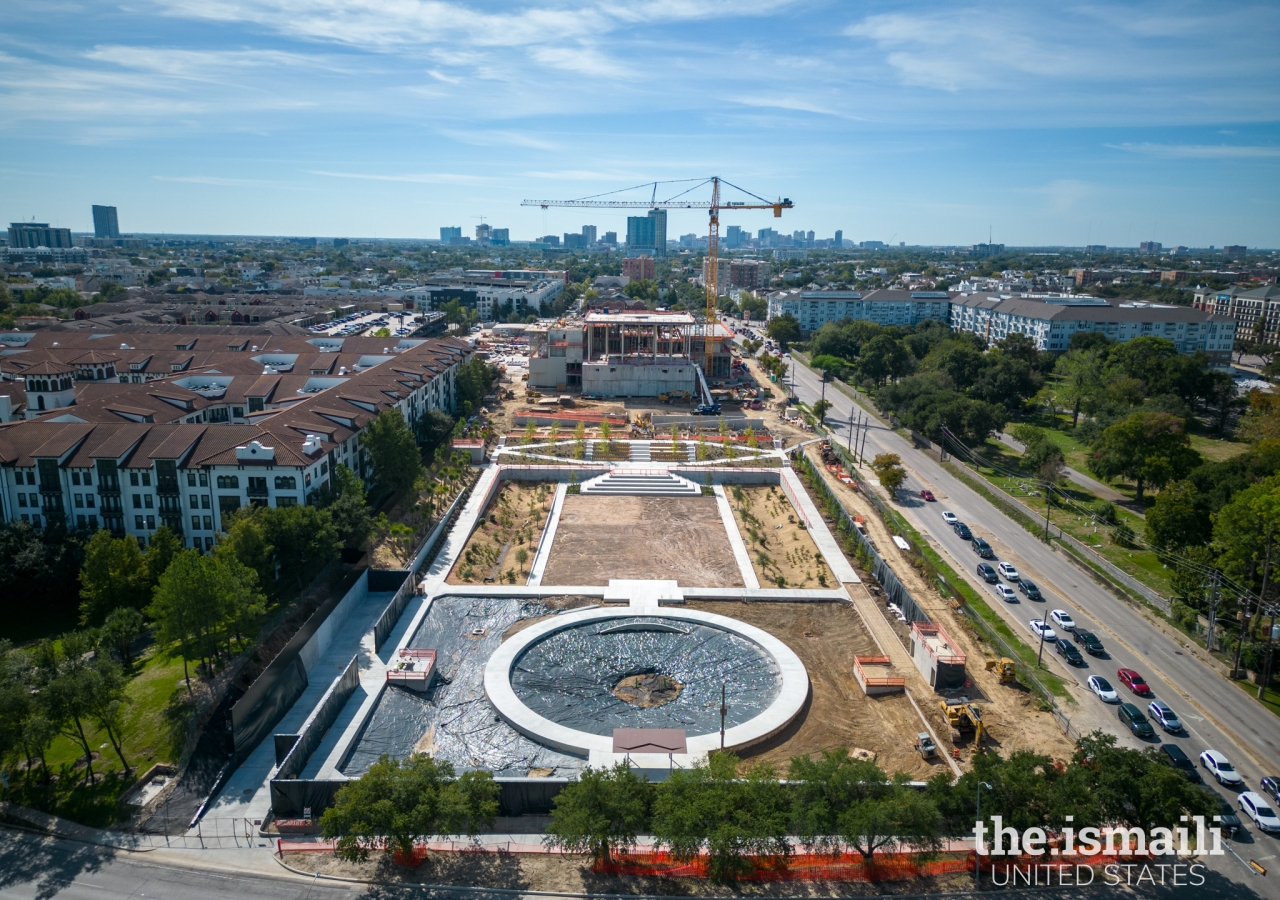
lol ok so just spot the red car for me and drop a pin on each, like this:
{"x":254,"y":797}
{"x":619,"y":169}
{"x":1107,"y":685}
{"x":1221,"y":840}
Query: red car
{"x":927,"y":495}
{"x":1133,"y":681}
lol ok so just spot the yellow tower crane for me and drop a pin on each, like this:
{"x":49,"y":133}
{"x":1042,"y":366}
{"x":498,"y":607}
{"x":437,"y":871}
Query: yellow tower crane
{"x":713,"y":208}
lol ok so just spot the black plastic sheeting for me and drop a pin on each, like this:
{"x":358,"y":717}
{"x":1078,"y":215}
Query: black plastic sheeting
{"x":290,"y":797}
{"x":318,"y":723}
{"x":284,"y":744}
{"x":383,"y":580}
{"x":282,"y":683}
{"x":569,"y":676}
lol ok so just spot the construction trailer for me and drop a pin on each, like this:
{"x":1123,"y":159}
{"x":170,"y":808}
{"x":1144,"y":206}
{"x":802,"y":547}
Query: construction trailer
{"x":937,"y":656}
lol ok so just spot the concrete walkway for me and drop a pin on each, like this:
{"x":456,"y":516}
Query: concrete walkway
{"x":539,"y":567}
{"x":818,"y":530}
{"x":735,"y":540}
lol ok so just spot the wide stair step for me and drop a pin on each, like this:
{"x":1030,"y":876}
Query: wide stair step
{"x":640,"y":451}
{"x":641,"y":484}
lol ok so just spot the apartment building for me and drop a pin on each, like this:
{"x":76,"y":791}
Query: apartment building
{"x":1248,"y":307}
{"x":813,"y":309}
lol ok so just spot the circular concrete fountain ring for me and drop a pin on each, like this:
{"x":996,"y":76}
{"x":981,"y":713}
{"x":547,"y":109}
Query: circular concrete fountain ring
{"x":792,"y":694}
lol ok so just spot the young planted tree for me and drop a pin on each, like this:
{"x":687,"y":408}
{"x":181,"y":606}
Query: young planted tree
{"x":121,"y":629}
{"x":600,"y":813}
{"x":888,"y":469}
{"x":165,"y":545}
{"x":113,"y":576}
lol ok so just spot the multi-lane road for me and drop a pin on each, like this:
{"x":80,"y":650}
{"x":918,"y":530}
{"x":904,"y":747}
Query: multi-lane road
{"x":1216,"y":713}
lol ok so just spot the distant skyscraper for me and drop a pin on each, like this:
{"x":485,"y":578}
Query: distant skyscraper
{"x":500,"y":236}
{"x":483,"y":232}
{"x":574,"y":241}
{"x":809,"y":237}
{"x":447,"y":233}
{"x":1233,"y":251}
{"x":105,"y":224}
{"x":38,"y":234}
{"x":839,"y":240}
{"x":610,"y":237}
{"x":1150,"y":247}
{"x":589,"y":232}
{"x":733,"y":237}
{"x":642,"y":234}
{"x":659,"y":217}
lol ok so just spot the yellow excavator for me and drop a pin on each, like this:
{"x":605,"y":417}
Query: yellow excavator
{"x":1005,"y":668}
{"x":964,"y":718}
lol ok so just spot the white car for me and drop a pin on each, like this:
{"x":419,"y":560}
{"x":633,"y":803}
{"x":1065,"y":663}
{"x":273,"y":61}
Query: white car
{"x":1221,"y":768}
{"x":1005,"y":593}
{"x":1100,"y":686}
{"x":1063,"y":620}
{"x":1167,"y":718}
{"x":1255,"y":806}
{"x":1041,"y":630}
{"x":1008,"y":571}
{"x":949,"y":517}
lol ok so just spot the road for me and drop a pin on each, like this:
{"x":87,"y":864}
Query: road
{"x":1216,"y":713}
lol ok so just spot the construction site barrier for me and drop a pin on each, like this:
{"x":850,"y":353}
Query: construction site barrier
{"x":797,"y":867}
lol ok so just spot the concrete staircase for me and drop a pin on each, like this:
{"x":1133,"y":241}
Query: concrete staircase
{"x":621,"y":482}
{"x":640,"y":452}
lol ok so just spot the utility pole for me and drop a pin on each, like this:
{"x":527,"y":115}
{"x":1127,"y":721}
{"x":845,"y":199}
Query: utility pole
{"x":1262,"y":595}
{"x":724,"y":711}
{"x":1048,"y":503}
{"x":1040,"y":653}
{"x":1213,"y":608}
{"x":866,"y":426}
{"x":1266,"y":664}
{"x":849,"y":445}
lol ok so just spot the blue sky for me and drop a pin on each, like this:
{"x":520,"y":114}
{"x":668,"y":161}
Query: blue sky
{"x":919,"y":122}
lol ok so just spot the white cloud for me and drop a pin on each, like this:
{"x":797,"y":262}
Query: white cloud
{"x":418,"y":178}
{"x":217,"y":181}
{"x":1200,"y":151}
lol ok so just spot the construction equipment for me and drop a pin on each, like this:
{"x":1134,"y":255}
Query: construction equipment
{"x":964,"y":718}
{"x":1005,"y":668}
{"x":925,"y":746}
{"x":713,"y":235}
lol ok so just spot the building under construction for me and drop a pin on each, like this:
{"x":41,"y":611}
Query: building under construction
{"x":632,"y":354}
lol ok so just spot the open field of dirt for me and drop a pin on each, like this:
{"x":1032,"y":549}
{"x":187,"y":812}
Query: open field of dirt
{"x":672,"y":538}
{"x":512,"y":523}
{"x":573,"y":873}
{"x":782,"y":552}
{"x":1011,"y":712}
{"x":826,"y":637}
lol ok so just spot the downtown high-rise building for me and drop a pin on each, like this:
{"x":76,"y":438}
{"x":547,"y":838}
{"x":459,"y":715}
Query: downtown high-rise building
{"x":589,"y":232}
{"x":28,"y":235}
{"x":105,"y":223}
{"x":448,"y":232}
{"x":648,"y":233}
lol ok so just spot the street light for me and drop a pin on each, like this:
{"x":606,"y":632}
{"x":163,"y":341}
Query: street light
{"x":977,"y":857}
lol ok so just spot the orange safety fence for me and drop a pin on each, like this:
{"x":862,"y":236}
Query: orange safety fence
{"x":798,"y":867}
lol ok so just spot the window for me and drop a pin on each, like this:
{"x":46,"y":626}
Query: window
{"x":133,"y":478}
{"x":204,"y":502}
{"x":137,"y":522}
{"x":146,"y":479}
{"x":137,"y":501}
{"x":79,"y":500}
{"x":148,"y":501}
{"x":22,"y":501}
{"x":208,"y":544}
{"x":35,"y":499}
{"x":204,"y":479}
{"x":88,"y":478}
{"x":286,"y":501}
{"x":151,"y":523}
{"x":208,"y":523}
{"x":195,"y":502}
{"x":81,"y":521}
{"x":228,"y":481}
{"x":195,"y":523}
{"x":88,"y":500}
{"x":75,"y":479}
{"x":324,"y":468}
{"x":191,"y":479}
{"x":93,"y":522}
{"x":286,"y":483}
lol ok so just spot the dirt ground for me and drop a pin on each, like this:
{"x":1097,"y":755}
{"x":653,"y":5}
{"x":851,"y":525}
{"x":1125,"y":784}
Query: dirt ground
{"x":782,"y":553}
{"x":513,"y":522}
{"x":673,"y":538}
{"x":826,"y":637}
{"x":1011,"y":713}
{"x":572,"y":873}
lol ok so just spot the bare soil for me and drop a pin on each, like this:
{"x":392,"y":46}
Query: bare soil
{"x":514,"y":521}
{"x":1010,"y":712}
{"x":572,"y":873}
{"x":673,"y":538}
{"x":782,"y":551}
{"x":826,"y":637}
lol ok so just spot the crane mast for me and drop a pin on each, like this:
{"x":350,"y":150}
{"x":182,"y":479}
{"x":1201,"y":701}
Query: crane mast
{"x":713,"y":237}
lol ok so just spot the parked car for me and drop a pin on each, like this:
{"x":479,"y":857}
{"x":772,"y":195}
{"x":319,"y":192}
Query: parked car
{"x":1136,"y":722}
{"x":949,"y":517}
{"x":1134,"y":682}
{"x":1256,"y":807}
{"x":1041,"y":630}
{"x":1089,"y":641}
{"x":987,"y":573}
{"x":1181,"y":762}
{"x":982,"y":548}
{"x":1271,"y":787}
{"x":1168,"y":719}
{"x":963,"y":531}
{"x":1068,"y":651}
{"x":1030,"y":588}
{"x":1220,"y":767}
{"x":1005,"y":593}
{"x":1008,"y":571}
{"x":1063,"y":620}
{"x":1100,"y":686}
{"x":927,"y":494}
{"x":1228,"y":820}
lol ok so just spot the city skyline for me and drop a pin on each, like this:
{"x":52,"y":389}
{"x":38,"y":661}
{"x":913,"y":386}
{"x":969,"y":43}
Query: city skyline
{"x":889,"y":121}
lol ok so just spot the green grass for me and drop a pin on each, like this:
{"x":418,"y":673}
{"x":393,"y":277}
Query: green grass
{"x":1216,"y":449}
{"x":148,"y":739}
{"x":1270,"y":699}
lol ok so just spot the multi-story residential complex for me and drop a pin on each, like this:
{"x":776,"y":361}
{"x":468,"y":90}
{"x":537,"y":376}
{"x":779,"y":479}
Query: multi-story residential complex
{"x":204,"y":443}
{"x":813,"y":309}
{"x":450,"y":232}
{"x":1051,"y":320}
{"x":1234,"y":251}
{"x":38,"y":234}
{"x":739,"y":274}
{"x":500,"y":236}
{"x":45,"y":256}
{"x":105,"y":223}
{"x":490,"y":291}
{"x":638,"y":268}
{"x":648,"y":233}
{"x":1256,"y":311}
{"x":589,"y":232}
